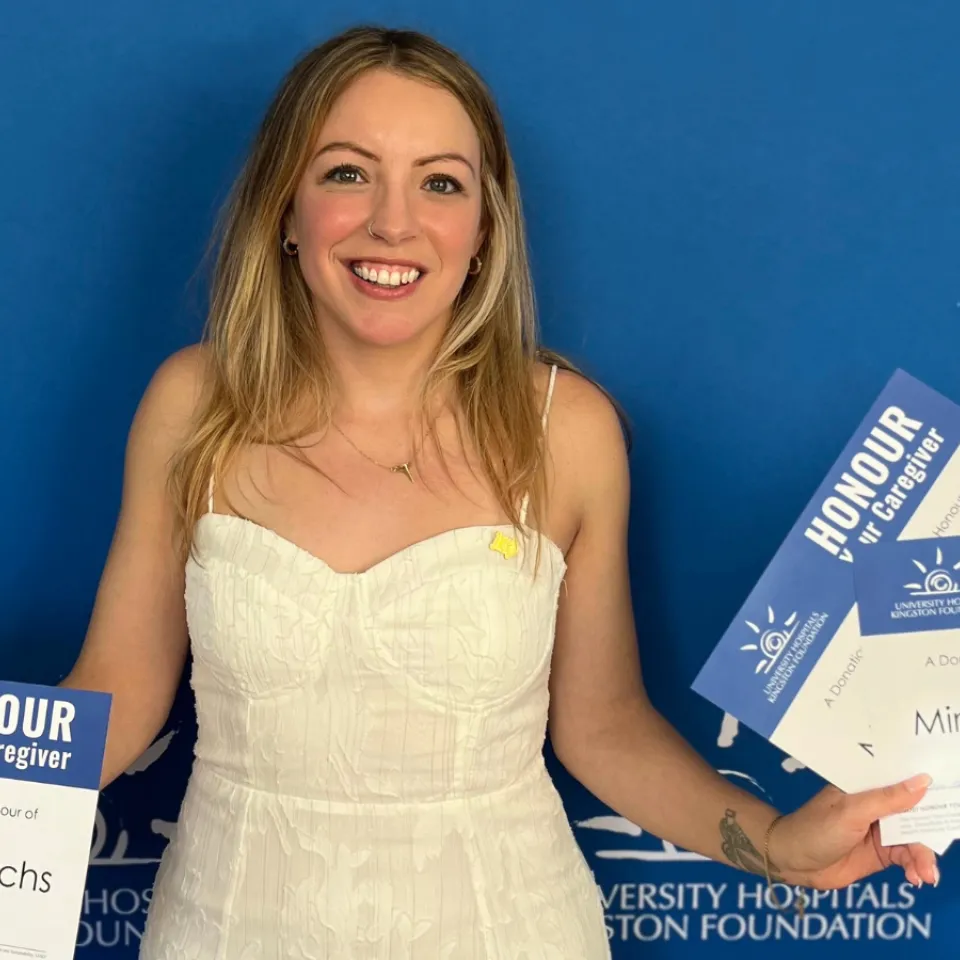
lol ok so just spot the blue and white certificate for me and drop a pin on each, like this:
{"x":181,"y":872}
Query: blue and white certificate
{"x":51,"y":756}
{"x":908,"y":597}
{"x":789,"y":666}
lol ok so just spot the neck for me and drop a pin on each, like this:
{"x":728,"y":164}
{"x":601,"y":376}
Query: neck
{"x":379,"y":383}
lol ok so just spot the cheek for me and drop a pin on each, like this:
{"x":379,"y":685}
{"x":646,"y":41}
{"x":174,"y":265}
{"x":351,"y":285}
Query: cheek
{"x":454,"y":233}
{"x":324,"y":221}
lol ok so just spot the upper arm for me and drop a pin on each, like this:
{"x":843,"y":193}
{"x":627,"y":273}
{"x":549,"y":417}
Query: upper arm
{"x":595,"y":672}
{"x":136,"y":642}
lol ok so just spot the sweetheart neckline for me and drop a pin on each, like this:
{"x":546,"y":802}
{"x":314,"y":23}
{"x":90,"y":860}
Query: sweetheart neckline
{"x":385,"y":561}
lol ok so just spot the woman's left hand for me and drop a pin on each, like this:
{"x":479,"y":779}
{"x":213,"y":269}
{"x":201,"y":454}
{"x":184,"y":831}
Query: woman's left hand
{"x":834,"y":839}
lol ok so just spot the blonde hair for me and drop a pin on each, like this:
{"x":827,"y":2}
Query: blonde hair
{"x":265,"y":356}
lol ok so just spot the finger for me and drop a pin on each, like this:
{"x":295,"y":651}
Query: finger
{"x":901,"y":856}
{"x":924,"y":863}
{"x":896,"y":798}
{"x":882,"y":852}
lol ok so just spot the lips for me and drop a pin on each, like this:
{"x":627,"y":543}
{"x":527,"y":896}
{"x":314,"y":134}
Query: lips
{"x":385,"y":280}
{"x":385,"y":273}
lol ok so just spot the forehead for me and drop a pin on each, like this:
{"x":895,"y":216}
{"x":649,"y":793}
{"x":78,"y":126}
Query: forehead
{"x":396,"y":115}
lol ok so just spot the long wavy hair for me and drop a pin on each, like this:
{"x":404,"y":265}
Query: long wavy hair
{"x":265,"y":355}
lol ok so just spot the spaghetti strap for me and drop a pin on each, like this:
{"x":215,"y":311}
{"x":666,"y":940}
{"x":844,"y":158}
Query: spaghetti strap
{"x":549,"y":400}
{"x":543,"y":426}
{"x":210,"y":495}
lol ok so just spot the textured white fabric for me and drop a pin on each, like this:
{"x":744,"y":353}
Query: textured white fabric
{"x":369,"y":780}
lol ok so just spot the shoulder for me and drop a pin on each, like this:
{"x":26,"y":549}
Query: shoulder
{"x":584,"y":420}
{"x":586,"y":440}
{"x":172,"y":397}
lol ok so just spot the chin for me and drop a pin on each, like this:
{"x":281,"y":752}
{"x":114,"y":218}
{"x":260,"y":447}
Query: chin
{"x":388,"y":331}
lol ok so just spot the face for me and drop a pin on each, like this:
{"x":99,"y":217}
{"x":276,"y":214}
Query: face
{"x":387,"y":215}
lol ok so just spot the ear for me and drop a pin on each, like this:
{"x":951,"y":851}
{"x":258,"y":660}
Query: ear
{"x":288,"y":227}
{"x":481,"y":237}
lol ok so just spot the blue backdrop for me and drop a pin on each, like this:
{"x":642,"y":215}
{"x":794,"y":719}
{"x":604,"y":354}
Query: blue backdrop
{"x":743,"y":217}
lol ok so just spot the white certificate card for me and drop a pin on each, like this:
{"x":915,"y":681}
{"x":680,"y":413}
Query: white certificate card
{"x":51,"y":756}
{"x":908,"y":597}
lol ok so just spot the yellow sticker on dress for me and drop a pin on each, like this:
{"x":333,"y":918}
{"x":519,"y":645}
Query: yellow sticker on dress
{"x":504,"y":545}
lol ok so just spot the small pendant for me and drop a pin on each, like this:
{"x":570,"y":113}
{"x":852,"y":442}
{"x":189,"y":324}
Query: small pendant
{"x":403,"y":468}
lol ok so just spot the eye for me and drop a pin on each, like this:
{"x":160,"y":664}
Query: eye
{"x":443,"y":183}
{"x":345,"y":173}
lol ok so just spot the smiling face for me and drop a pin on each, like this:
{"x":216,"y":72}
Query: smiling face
{"x":388,"y":212}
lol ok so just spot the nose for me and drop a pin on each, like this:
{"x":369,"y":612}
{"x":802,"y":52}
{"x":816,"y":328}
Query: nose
{"x":393,"y":216}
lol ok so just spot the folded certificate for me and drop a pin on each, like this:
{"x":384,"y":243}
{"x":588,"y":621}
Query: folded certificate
{"x":51,"y":756}
{"x":789,"y":666}
{"x":908,"y":598}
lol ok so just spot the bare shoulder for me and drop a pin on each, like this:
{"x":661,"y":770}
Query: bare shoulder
{"x":587,"y":444}
{"x":583,"y":408}
{"x":170,"y":400}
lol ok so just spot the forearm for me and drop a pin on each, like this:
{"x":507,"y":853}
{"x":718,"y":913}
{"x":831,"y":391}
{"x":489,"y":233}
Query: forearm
{"x":644,"y":770}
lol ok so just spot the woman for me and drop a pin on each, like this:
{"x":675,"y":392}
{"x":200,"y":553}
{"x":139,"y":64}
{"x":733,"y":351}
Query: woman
{"x":362,"y":495}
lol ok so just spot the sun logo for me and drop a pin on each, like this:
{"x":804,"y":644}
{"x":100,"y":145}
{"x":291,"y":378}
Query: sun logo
{"x":773,"y":640}
{"x":504,"y":545}
{"x":935,"y":581}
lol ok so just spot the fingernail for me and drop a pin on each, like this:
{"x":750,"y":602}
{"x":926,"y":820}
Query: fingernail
{"x":936,"y":875}
{"x":920,"y":782}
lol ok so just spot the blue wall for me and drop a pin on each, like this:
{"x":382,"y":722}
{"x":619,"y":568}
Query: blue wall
{"x":743,"y":217}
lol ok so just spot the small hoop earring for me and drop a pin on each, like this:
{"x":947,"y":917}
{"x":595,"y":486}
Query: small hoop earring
{"x":474,"y":270}
{"x":289,"y":247}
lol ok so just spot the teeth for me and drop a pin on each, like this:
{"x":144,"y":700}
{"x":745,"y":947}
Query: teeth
{"x":384,"y":277}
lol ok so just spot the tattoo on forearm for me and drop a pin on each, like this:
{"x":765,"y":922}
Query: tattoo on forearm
{"x":739,"y":849}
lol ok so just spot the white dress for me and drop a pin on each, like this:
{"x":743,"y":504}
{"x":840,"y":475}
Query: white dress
{"x":368,"y":781}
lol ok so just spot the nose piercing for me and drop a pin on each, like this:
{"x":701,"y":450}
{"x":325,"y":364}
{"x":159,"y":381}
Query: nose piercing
{"x":370,"y":230}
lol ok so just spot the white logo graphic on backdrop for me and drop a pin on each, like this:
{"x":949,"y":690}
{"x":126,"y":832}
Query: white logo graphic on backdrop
{"x":666,"y":851}
{"x":773,"y":639}
{"x":118,"y":855}
{"x":936,"y":581}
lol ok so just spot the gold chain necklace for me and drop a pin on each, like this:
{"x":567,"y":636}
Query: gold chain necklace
{"x":403,"y":468}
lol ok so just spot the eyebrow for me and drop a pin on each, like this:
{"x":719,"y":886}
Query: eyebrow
{"x":421,"y":162}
